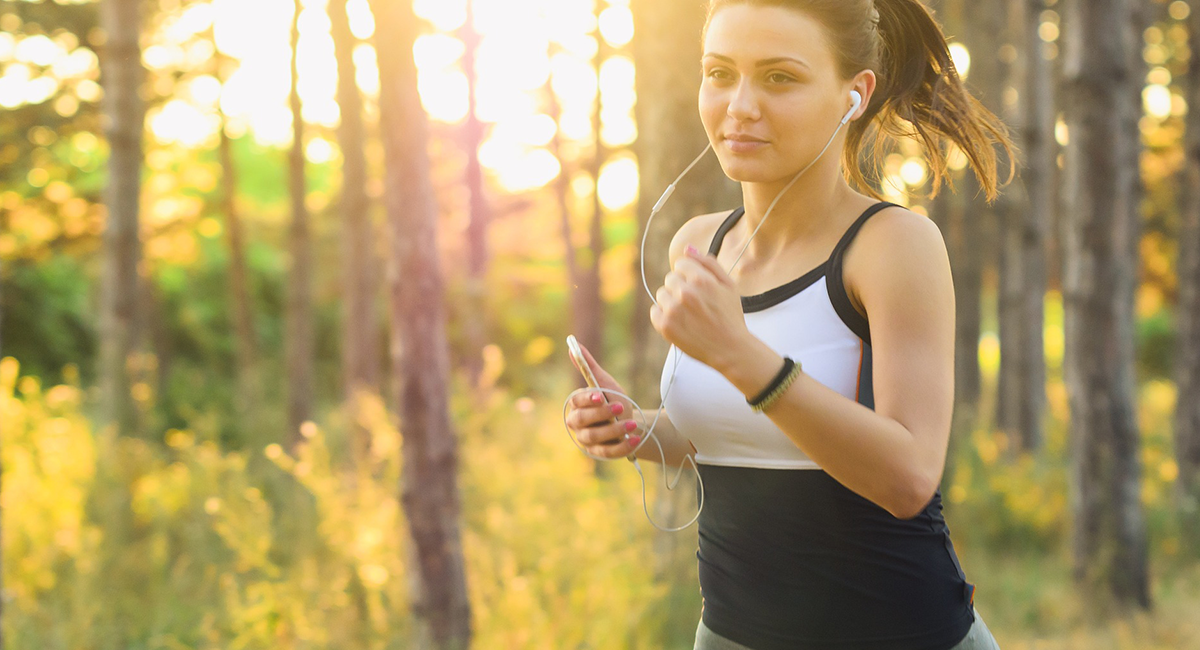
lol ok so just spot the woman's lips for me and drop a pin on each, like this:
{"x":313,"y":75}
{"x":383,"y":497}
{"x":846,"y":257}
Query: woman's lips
{"x":744,"y":146}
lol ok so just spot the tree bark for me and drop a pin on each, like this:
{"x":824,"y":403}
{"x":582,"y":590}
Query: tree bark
{"x":589,"y":304}
{"x":1022,"y":392}
{"x":299,"y":305}
{"x":1102,"y":230}
{"x":966,"y":237}
{"x":124,"y":117}
{"x":477,"y":326}
{"x":239,"y":286}
{"x":360,"y":349}
{"x":1187,"y":369}
{"x":419,"y":348}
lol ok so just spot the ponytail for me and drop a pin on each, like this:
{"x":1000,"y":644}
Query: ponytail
{"x":918,"y":94}
{"x":921,"y":95}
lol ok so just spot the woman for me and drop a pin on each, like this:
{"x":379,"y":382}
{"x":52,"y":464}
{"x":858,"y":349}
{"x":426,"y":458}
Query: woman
{"x":816,"y":372}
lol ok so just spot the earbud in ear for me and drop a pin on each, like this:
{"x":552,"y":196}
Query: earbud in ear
{"x":856,"y":98}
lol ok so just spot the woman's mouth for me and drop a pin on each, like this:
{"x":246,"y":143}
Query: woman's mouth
{"x":744,"y":144}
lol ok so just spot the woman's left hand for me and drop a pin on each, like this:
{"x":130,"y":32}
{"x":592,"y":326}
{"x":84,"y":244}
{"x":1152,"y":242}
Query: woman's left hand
{"x":699,"y":309}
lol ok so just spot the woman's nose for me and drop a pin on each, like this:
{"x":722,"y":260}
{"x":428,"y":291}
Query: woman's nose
{"x":743,"y":104}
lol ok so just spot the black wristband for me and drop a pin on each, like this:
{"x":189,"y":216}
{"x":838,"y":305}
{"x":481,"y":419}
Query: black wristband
{"x":766,"y":392}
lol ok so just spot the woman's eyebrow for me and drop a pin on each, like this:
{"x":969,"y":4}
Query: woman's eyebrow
{"x":760,"y":63}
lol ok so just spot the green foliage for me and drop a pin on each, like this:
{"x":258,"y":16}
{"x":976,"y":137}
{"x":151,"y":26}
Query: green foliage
{"x":48,"y":318}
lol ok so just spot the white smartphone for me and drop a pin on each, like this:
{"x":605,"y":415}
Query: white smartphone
{"x":581,"y":362}
{"x":584,"y":369}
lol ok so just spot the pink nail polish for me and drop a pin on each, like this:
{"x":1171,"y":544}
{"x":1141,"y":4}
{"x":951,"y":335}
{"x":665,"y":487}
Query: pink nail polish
{"x":630,"y":425}
{"x":618,"y":408}
{"x":634,"y":440}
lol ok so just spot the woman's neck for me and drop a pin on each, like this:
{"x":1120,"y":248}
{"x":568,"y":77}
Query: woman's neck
{"x":807,"y":213}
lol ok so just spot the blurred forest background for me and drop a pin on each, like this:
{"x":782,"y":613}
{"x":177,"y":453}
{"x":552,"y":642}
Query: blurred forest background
{"x":284,"y":286}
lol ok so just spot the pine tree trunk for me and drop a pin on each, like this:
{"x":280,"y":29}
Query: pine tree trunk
{"x":1102,"y":231}
{"x":1187,"y":369}
{"x":1021,"y":400}
{"x":248,"y":392}
{"x":420,"y":354}
{"x":476,"y":327}
{"x":360,"y":349}
{"x":299,"y":305}
{"x":589,"y":319}
{"x":124,"y":113}
{"x":965,"y":239}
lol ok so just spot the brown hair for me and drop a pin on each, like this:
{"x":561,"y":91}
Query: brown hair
{"x":918,"y":93}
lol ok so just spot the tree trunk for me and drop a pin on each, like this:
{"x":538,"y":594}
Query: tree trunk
{"x":476,"y":327}
{"x":589,"y":305}
{"x":124,"y":114}
{"x":420,"y":355}
{"x":248,"y":392}
{"x":1022,"y":386}
{"x":1187,"y":369}
{"x":1102,"y":229}
{"x":299,"y":305}
{"x":360,"y":353}
{"x":965,"y":239}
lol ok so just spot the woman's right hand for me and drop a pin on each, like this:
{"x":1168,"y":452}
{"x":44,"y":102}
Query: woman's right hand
{"x":601,"y":427}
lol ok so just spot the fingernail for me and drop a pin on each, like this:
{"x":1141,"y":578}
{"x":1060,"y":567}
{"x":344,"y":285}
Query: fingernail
{"x":596,"y":397}
{"x":634,"y":440}
{"x":618,"y":408}
{"x":630,"y":425}
{"x":691,"y":249}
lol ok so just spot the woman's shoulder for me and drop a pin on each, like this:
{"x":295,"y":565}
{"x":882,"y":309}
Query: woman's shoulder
{"x":697,"y":231}
{"x":892,"y":240}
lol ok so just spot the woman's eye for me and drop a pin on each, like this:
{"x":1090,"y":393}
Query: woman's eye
{"x":712,"y":74}
{"x":780,"y":76}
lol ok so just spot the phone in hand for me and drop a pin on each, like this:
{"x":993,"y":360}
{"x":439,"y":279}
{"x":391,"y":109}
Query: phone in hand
{"x":581,"y":362}
{"x":584,"y":369}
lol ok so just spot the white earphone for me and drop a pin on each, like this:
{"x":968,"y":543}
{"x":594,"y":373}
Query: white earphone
{"x":856,"y":99}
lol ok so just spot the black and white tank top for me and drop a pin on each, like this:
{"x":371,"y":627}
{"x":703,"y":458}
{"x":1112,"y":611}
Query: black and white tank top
{"x":788,"y":557}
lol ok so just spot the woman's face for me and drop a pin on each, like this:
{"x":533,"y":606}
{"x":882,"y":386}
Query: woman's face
{"x":769,"y":77}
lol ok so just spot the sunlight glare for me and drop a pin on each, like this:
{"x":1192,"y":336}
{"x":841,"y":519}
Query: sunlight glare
{"x":616,"y":25}
{"x":13,"y":83}
{"x":518,"y":60}
{"x":362,"y":21}
{"x":576,"y":124}
{"x":444,"y":95}
{"x":447,"y":15}
{"x":1156,"y":100}
{"x":38,"y":50}
{"x":618,"y":184}
{"x":574,"y":81}
{"x":436,"y":51}
{"x":179,"y":121}
{"x":962,"y":59}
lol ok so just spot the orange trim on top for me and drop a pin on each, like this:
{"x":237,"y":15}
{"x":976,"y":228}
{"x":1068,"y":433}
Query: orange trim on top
{"x":858,"y":383}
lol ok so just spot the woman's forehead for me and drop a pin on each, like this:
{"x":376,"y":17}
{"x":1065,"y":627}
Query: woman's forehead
{"x":748,"y":34}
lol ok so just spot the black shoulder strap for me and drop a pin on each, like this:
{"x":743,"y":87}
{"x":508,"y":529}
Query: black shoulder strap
{"x":719,"y":237}
{"x":833,"y":276}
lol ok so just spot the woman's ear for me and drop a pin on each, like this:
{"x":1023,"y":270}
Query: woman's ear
{"x":864,"y":84}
